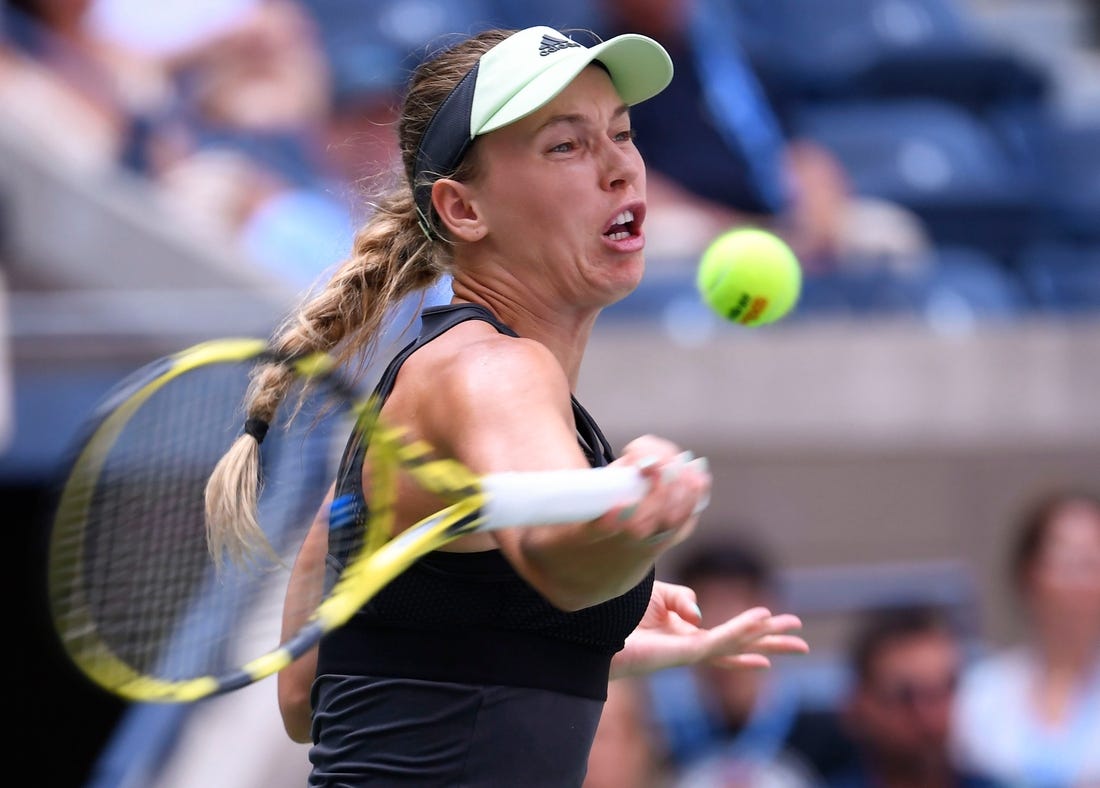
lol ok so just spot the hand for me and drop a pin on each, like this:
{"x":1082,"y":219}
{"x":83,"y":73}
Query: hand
{"x":679,"y":489}
{"x":669,"y":635}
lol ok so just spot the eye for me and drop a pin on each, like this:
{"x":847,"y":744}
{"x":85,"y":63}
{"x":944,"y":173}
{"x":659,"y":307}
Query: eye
{"x":626,"y":135}
{"x":564,"y":147}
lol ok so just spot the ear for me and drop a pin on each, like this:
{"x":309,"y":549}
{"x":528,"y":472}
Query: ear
{"x":453,"y":201}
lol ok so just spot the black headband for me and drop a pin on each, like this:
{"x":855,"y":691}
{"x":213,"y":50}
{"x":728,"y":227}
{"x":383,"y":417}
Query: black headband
{"x":442,"y":146}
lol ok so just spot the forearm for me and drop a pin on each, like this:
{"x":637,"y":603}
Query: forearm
{"x":582,"y":569}
{"x":581,"y":565}
{"x":295,"y":682}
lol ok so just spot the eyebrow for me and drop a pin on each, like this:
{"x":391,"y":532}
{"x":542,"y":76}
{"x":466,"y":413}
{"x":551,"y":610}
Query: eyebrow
{"x":578,"y":119}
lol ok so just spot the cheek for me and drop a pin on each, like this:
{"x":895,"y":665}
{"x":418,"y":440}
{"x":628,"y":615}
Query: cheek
{"x":527,"y":205}
{"x":1056,"y":587}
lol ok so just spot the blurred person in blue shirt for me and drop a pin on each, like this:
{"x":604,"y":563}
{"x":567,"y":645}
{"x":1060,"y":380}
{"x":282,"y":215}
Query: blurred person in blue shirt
{"x":905,"y":664}
{"x":731,"y":727}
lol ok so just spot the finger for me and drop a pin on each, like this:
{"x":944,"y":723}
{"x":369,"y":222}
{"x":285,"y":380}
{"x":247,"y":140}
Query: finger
{"x":781,"y":644}
{"x":682,"y":601}
{"x":785,"y":622}
{"x":735,"y":635}
{"x":756,"y":623}
{"x":642,"y":520}
{"x":683,"y":627}
{"x":679,"y":493}
{"x":702,"y":468}
{"x":742,"y":662}
{"x":679,"y":485}
{"x":746,"y":624}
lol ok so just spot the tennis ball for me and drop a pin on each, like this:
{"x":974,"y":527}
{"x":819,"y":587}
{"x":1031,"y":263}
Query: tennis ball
{"x":749,"y":276}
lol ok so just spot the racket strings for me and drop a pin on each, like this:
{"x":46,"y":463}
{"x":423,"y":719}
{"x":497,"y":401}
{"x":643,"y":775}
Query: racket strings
{"x":136,"y":595}
{"x":133,"y":586}
{"x":149,"y":540}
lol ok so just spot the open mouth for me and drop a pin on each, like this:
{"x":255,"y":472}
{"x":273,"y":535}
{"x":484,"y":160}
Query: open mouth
{"x":622,"y":226}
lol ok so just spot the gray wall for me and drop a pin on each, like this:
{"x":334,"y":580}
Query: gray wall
{"x":843,"y":444}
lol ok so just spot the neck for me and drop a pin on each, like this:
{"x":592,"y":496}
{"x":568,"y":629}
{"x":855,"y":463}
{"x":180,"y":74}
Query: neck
{"x":1065,"y":668}
{"x":1068,"y":650}
{"x":563,"y":331}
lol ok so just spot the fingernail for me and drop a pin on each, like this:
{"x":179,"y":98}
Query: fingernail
{"x":628,"y":512}
{"x":647,"y":462}
{"x":672,"y":470}
{"x":698,"y":612}
{"x":701,"y":505}
{"x":701,"y":464}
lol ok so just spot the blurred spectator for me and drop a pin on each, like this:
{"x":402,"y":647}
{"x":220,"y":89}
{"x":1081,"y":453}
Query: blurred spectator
{"x":1093,"y":9}
{"x":7,"y":377}
{"x":246,"y":162}
{"x":906,"y":664}
{"x":55,"y":76}
{"x":627,"y":751}
{"x":224,"y":109}
{"x":1031,"y":713}
{"x":717,"y":156}
{"x":177,"y":25}
{"x":360,"y":139}
{"x":736,"y":727}
{"x":244,"y":64}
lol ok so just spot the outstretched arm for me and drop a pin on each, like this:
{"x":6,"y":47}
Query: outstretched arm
{"x":670,"y":635}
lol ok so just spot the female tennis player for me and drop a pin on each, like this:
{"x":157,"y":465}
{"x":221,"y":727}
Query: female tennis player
{"x":487,"y":663}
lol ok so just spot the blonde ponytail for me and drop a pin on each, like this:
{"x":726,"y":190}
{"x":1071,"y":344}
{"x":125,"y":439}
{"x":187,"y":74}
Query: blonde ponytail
{"x":392,"y":257}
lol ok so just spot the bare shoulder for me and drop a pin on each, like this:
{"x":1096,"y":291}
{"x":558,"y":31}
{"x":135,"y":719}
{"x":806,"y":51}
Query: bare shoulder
{"x":476,"y":394}
{"x":473,"y":359}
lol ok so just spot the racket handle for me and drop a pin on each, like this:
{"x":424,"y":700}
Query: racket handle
{"x":565,"y":496}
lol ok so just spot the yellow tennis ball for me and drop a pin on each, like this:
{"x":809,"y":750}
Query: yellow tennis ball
{"x":749,"y":276}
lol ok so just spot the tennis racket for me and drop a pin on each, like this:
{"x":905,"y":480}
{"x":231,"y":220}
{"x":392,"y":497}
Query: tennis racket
{"x":137,"y":599}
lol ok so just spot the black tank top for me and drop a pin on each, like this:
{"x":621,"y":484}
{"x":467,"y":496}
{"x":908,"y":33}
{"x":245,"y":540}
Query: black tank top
{"x":470,"y":617}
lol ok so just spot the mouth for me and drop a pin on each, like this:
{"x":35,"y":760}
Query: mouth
{"x":626,"y":224}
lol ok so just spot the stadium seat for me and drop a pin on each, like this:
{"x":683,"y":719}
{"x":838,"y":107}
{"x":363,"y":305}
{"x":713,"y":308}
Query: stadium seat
{"x":1072,"y":180}
{"x":559,"y":14}
{"x":1063,"y":277}
{"x":820,"y":51}
{"x":974,"y":76}
{"x":950,"y":287}
{"x":964,"y":287}
{"x":850,"y":49}
{"x":372,"y":46}
{"x":938,"y":160}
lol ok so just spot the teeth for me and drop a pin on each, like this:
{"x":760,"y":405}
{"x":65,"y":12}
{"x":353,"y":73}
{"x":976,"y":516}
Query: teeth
{"x":624,"y":217}
{"x":618,"y":236}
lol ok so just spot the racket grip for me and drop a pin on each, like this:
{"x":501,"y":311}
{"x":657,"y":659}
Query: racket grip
{"x":549,"y":497}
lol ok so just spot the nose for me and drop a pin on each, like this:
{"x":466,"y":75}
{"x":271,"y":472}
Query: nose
{"x":621,"y":165}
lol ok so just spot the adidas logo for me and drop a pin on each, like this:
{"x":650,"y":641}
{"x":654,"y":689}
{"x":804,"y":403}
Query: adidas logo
{"x":550,"y":45}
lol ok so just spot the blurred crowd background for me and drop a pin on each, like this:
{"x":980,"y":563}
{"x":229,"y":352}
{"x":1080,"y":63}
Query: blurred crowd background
{"x":909,"y":461}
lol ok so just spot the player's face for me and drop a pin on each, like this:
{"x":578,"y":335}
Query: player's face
{"x":562,"y":192}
